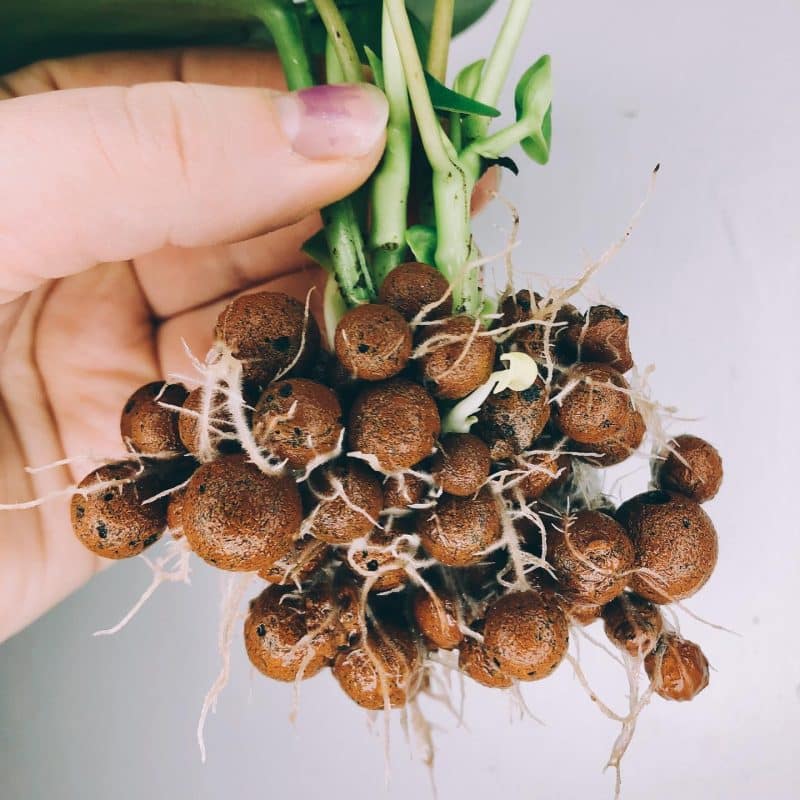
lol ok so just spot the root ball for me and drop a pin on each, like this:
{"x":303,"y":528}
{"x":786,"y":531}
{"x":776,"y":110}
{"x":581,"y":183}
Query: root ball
{"x":602,"y":338}
{"x":510,"y":421}
{"x":373,"y":342}
{"x":397,"y":422}
{"x":459,"y":530}
{"x":410,"y":287}
{"x":264,"y":330}
{"x":114,"y":522}
{"x":306,"y":558}
{"x":591,"y":555}
{"x":350,"y":500}
{"x":695,"y":470}
{"x":237,"y":518}
{"x":675,"y":542}
{"x":279,"y":639}
{"x":677,"y":668}
{"x":457,"y":360}
{"x":633,"y":624}
{"x":298,"y":419}
{"x":388,"y":665}
{"x":437,"y":616}
{"x":594,"y":409}
{"x":617,"y":449}
{"x":219,"y":423}
{"x":147,"y":427}
{"x":475,"y":661}
{"x":527,"y":633}
{"x":461,"y":464}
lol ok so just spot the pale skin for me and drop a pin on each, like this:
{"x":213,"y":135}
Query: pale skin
{"x":129,"y":217}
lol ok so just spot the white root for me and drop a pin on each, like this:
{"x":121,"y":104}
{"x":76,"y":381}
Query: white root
{"x":172,"y":567}
{"x":233,"y":593}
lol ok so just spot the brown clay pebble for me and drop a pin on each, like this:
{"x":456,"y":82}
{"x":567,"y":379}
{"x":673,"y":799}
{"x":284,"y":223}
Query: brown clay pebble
{"x":475,"y":661}
{"x":112,"y":521}
{"x":146,"y":426}
{"x":675,"y":542}
{"x":302,"y":563}
{"x":695,"y":470}
{"x":376,"y":556}
{"x":538,"y":341}
{"x":220,"y":429}
{"x":527,"y":632}
{"x":437,"y":616}
{"x":459,"y":530}
{"x":410,"y":287}
{"x":175,"y":512}
{"x":298,"y":419}
{"x":509,"y":421}
{"x":594,"y":410}
{"x":461,"y":464}
{"x":633,"y":624}
{"x":617,"y":449}
{"x":677,"y":668}
{"x":583,"y":613}
{"x":273,"y":630}
{"x":265,"y":330}
{"x":601,"y":338}
{"x":373,"y":342}
{"x":237,"y":518}
{"x":388,"y":664}
{"x":591,"y":555}
{"x":350,"y":501}
{"x":542,"y":471}
{"x":401,"y":492}
{"x":347,"y":594}
{"x":458,"y":357}
{"x":396,"y":422}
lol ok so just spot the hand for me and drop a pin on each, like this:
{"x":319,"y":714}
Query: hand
{"x":133,"y":207}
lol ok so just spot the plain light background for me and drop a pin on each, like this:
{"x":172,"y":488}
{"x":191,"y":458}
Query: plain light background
{"x":710,"y":279}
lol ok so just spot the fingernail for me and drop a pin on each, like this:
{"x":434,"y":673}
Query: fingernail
{"x":326,"y":122}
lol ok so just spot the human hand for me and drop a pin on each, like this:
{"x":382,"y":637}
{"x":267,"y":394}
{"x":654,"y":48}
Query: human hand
{"x":135,"y":203}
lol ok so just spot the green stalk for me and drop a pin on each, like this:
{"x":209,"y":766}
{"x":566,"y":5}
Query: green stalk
{"x":441,"y":35}
{"x":496,"y":70}
{"x":341,"y":226}
{"x":391,"y":182}
{"x":451,"y":188}
{"x":282,"y":22}
{"x":339,"y":35}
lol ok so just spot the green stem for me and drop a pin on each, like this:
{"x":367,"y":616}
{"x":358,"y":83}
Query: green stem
{"x":342,"y":230}
{"x":282,"y":22}
{"x":441,"y":35}
{"x":496,"y":70}
{"x":451,"y":188}
{"x":342,"y":40}
{"x":499,"y":143}
{"x":391,"y":182}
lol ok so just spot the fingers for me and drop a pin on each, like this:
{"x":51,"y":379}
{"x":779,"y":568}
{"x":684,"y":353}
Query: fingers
{"x":108,"y":174}
{"x":217,"y":65}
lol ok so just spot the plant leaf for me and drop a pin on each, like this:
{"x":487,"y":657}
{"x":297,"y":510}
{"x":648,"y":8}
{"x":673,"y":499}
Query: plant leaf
{"x":422,"y":241}
{"x":376,"y":65}
{"x":468,"y":80}
{"x":37,"y":29}
{"x":316,"y":248}
{"x":445,"y":99}
{"x":533,"y":101}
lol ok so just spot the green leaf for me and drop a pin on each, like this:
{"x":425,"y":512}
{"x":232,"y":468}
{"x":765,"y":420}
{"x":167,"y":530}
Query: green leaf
{"x":445,"y":99}
{"x":316,"y":248}
{"x":35,"y":29}
{"x":468,"y":80}
{"x":376,"y":65}
{"x":533,"y":101}
{"x":422,"y":241}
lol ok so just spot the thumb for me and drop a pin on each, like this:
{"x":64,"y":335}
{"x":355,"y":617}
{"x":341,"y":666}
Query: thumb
{"x":108,"y":174}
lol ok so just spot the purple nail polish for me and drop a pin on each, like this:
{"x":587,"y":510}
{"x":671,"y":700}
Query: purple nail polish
{"x":328,"y":122}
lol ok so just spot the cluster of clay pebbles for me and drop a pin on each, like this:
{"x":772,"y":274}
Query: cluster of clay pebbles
{"x":380,"y":536}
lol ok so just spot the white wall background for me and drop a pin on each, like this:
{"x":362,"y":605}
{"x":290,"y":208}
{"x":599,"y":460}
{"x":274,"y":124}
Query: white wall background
{"x":710,"y":279}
